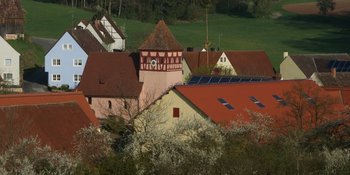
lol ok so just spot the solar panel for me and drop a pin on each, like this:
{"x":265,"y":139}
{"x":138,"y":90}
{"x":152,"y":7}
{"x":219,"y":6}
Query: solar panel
{"x":257,"y":102}
{"x":204,"y":80}
{"x":225,"y":80}
{"x":345,"y":67}
{"x":341,"y":66}
{"x":235,"y":79}
{"x":215,"y":79}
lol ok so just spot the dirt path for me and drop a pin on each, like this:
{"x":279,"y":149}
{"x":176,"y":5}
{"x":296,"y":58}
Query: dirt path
{"x":342,"y":7}
{"x":45,"y":43}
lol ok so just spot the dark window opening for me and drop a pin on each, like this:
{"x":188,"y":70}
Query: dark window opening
{"x":90,"y":100}
{"x":125,"y":105}
{"x":109,"y":104}
{"x":176,"y":112}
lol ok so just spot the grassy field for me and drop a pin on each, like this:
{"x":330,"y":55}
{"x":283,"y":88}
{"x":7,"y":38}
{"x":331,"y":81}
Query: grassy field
{"x":293,"y":33}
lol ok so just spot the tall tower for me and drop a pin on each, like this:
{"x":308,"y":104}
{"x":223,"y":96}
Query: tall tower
{"x":160,"y":62}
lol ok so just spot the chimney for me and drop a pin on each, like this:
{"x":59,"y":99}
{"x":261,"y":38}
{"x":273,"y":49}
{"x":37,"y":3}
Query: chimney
{"x":285,"y":54}
{"x":334,"y":72}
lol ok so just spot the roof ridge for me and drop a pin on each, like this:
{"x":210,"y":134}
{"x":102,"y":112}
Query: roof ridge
{"x":39,"y":104}
{"x":42,"y":94}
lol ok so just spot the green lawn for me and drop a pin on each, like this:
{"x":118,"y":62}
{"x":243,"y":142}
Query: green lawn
{"x":293,"y":33}
{"x":32,"y":55}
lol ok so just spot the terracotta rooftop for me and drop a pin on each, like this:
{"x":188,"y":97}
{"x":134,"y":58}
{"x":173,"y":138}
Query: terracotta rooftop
{"x":110,"y":75}
{"x":342,"y":79}
{"x":53,"y":117}
{"x":102,"y":32}
{"x":310,"y":63}
{"x":206,"y":99}
{"x":161,"y":39}
{"x":196,"y":59}
{"x":252,"y":63}
{"x":86,"y":41}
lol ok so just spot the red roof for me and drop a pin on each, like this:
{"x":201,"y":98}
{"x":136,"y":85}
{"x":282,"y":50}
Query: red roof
{"x":195,"y":60}
{"x":53,"y":117}
{"x":205,"y":98}
{"x":87,"y":41}
{"x":161,"y":39}
{"x":253,"y":63}
{"x":110,"y":75}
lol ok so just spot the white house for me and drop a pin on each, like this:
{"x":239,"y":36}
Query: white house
{"x":9,"y":63}
{"x":107,"y":33}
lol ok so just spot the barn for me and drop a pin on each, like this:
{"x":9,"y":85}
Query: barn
{"x":11,"y":19}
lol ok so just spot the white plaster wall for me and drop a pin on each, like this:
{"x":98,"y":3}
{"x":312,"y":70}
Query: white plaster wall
{"x":289,"y":70}
{"x":7,"y":52}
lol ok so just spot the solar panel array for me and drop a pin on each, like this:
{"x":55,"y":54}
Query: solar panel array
{"x":341,"y":66}
{"x":224,"y":79}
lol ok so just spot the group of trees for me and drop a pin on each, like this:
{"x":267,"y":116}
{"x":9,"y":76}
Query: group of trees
{"x":170,"y":10}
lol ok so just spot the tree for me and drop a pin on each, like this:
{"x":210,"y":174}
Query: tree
{"x":29,"y":158}
{"x":325,"y":6}
{"x":91,"y":145}
{"x":186,"y":147}
{"x":259,"y":8}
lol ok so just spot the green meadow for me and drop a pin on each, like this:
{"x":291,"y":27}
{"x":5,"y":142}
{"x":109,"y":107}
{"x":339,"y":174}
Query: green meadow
{"x":290,"y":32}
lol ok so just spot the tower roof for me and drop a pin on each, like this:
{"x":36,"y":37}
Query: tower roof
{"x":161,"y":39}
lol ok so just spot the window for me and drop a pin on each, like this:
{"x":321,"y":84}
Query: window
{"x":90,"y":100}
{"x":224,"y":102}
{"x":56,"y":62}
{"x":109,"y":104}
{"x":8,"y":62}
{"x":176,"y":112}
{"x":279,"y":99}
{"x":67,"y":47}
{"x":8,"y":76}
{"x":309,"y":99}
{"x":125,"y":105}
{"x":257,"y":102}
{"x":56,"y":77}
{"x":77,"y":62}
{"x":77,"y":78}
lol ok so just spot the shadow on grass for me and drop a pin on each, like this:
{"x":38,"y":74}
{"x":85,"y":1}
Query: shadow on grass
{"x":335,"y":38}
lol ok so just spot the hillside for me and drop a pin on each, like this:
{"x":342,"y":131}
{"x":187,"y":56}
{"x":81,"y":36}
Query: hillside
{"x":289,"y":32}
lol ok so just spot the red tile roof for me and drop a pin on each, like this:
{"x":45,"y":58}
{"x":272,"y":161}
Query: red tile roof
{"x":87,"y":41}
{"x":110,"y":75}
{"x":195,"y":60}
{"x":102,"y":32}
{"x":253,"y":63}
{"x":116,"y":28}
{"x":161,"y":39}
{"x":53,"y":117}
{"x":205,"y":99}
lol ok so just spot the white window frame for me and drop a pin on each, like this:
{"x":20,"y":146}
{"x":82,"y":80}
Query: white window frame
{"x":5,"y":62}
{"x":67,"y":46}
{"x":56,"y":77}
{"x":4,"y":75}
{"x":77,"y":77}
{"x":77,"y":61}
{"x":54,"y":62}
